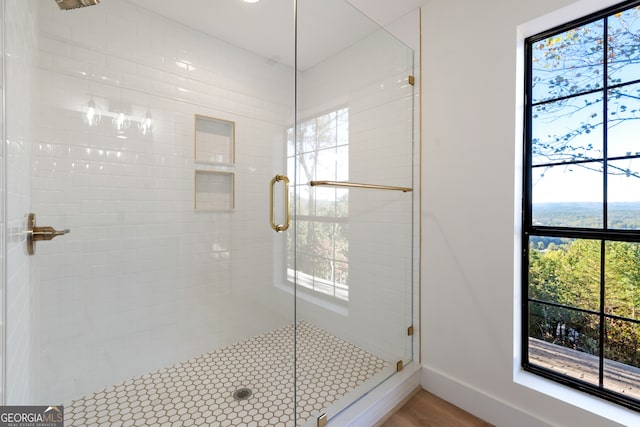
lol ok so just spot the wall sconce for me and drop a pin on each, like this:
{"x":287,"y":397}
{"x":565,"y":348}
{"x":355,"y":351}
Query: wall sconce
{"x":146,"y":125}
{"x":121,"y":121}
{"x":121,"y":117}
{"x":91,"y":114}
{"x":120,"y":113}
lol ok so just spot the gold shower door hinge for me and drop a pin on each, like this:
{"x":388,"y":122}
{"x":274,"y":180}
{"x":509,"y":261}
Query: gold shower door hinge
{"x":412,"y":80}
{"x":323,"y":420}
{"x":410,"y":331}
{"x":399,"y":366}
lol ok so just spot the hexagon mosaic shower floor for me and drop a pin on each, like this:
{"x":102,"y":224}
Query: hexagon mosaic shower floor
{"x":200,"y":391}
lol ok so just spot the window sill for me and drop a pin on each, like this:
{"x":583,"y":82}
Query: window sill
{"x":574,"y":397}
{"x":328,"y":303}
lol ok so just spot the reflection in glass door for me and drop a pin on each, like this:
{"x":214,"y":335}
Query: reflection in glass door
{"x":351,"y":255}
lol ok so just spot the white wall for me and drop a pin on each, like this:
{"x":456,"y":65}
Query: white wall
{"x":470,"y":146}
{"x":143,"y":281}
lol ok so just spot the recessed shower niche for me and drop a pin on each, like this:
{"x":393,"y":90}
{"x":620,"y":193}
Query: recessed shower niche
{"x":214,"y":190}
{"x":214,"y":140}
{"x":214,"y":146}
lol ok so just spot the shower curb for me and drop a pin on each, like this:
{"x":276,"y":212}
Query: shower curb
{"x":372,"y":407}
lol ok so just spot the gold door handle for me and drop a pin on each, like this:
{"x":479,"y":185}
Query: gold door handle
{"x":280,"y":227}
{"x":38,"y":234}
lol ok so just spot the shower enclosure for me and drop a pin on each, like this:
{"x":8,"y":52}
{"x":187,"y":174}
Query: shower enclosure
{"x":208,"y":210}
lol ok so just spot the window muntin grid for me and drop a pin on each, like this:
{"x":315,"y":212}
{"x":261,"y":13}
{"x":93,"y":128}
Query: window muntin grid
{"x":320,"y":151}
{"x":581,"y":203}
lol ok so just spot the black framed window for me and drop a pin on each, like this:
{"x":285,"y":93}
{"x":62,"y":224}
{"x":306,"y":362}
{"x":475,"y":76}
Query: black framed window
{"x":581,"y":205}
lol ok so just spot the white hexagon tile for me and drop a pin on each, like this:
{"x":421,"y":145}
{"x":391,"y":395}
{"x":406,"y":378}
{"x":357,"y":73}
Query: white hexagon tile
{"x":249,"y":383}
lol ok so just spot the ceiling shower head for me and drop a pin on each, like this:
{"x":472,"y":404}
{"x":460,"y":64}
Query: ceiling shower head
{"x":74,"y":4}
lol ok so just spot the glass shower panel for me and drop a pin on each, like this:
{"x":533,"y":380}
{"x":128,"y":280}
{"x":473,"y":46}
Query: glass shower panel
{"x":352,"y":261}
{"x":153,"y":138}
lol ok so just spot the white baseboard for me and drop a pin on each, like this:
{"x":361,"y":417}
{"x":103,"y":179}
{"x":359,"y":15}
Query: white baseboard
{"x":552,"y":411}
{"x":476,"y":402}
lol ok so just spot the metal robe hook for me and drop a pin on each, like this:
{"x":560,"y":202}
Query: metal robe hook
{"x":36,"y":234}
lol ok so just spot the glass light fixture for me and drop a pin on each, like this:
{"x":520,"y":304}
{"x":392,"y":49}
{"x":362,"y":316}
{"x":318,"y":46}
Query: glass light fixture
{"x":121,"y":121}
{"x":146,"y":125}
{"x":91,"y":114}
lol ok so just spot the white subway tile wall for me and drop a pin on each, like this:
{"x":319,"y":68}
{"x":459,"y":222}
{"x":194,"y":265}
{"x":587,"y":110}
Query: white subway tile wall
{"x":20,"y":55}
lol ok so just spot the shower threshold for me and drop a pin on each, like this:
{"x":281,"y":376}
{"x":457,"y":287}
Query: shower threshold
{"x":204,"y":391}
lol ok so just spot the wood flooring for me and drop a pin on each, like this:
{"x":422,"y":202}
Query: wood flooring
{"x":427,"y":410}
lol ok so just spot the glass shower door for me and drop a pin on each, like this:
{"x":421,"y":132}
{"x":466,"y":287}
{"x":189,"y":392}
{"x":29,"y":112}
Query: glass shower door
{"x":154,"y":142}
{"x":351,"y":254}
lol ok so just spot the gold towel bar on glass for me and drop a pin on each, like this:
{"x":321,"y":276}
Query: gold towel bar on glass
{"x":357,"y":185}
{"x":287,"y":217}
